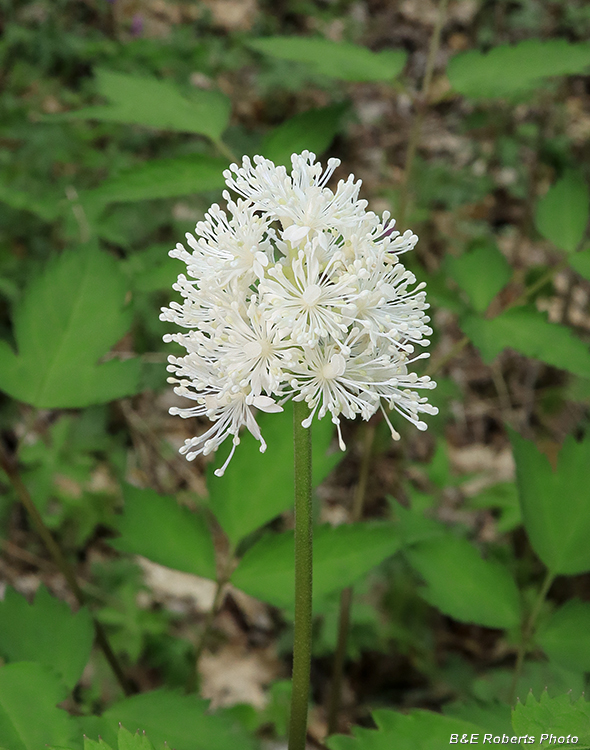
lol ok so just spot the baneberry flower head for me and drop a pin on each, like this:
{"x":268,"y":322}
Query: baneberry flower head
{"x":296,"y":291}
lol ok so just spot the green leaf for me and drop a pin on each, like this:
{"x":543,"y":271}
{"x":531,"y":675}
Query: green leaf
{"x":529,"y":333}
{"x":157,"y":527}
{"x":493,"y":715}
{"x":341,"y":555}
{"x":313,"y":130}
{"x":564,"y":637}
{"x":555,"y":503}
{"x":463,"y":585}
{"x":162,"y":178}
{"x":29,"y":717}
{"x":580,"y":262}
{"x":92,"y":745}
{"x":481,"y":273}
{"x":46,"y":208}
{"x":558,"y":716}
{"x":257,"y":487}
{"x":414,"y":527}
{"x":182,"y":721}
{"x":155,"y":103}
{"x":562,"y":214}
{"x":137,"y":741}
{"x":496,"y":684}
{"x":67,"y":319}
{"x":512,"y":69}
{"x":503,"y":496}
{"x":417,"y":730}
{"x":348,"y":62}
{"x":25,"y":633}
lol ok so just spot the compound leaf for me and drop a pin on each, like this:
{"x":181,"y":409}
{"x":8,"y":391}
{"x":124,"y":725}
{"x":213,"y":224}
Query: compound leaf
{"x":555,"y":503}
{"x":481,"y":273}
{"x":167,"y":716}
{"x":313,"y":130}
{"x":47,"y":632}
{"x":562,"y":214}
{"x":463,"y":585}
{"x":564,"y":637}
{"x":67,"y":319}
{"x":559,"y":716}
{"x":29,"y":717}
{"x":342,"y":555}
{"x":529,"y":333}
{"x":257,"y":487}
{"x":156,"y":104}
{"x":157,"y":527}
{"x":512,"y":69}
{"x":345,"y":61}
{"x":162,"y":178}
{"x":417,"y":730}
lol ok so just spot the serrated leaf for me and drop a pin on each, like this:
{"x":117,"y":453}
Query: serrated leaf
{"x":347,"y":62}
{"x":155,"y":103}
{"x":29,"y":717}
{"x":66,"y":320}
{"x":561,"y":216}
{"x":555,"y":503}
{"x":558,"y":716}
{"x":463,"y":585}
{"x":496,"y":684}
{"x":529,"y":333}
{"x":481,"y":273}
{"x":184,"y":722}
{"x":25,"y":634}
{"x":564,"y":637}
{"x":257,"y":487}
{"x":414,"y":527}
{"x":92,"y":745}
{"x":157,"y":527}
{"x":137,"y":741}
{"x":162,"y":178}
{"x":580,"y":262}
{"x":341,"y":555}
{"x":417,"y":730}
{"x":511,"y":69}
{"x":313,"y":130}
{"x":503,"y":496}
{"x":493,"y":715}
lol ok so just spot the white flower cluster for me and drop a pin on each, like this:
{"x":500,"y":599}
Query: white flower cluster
{"x":296,"y":292}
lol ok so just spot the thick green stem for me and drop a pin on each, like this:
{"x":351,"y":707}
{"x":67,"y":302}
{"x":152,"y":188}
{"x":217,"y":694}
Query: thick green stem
{"x":346,"y":595}
{"x":59,"y":558}
{"x":527,"y":632}
{"x":303,"y":578}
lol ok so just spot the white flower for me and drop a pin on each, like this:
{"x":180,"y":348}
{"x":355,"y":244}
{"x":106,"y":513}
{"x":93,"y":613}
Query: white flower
{"x":297,"y":292}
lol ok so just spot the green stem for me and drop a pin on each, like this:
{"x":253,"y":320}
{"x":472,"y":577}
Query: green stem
{"x":66,"y":569}
{"x":422,"y":106}
{"x":346,"y":595}
{"x":303,"y":578}
{"x":527,"y":631}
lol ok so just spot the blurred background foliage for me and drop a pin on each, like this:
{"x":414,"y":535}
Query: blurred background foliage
{"x":466,"y":545}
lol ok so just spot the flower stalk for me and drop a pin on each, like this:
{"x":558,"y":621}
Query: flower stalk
{"x":303,"y":578}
